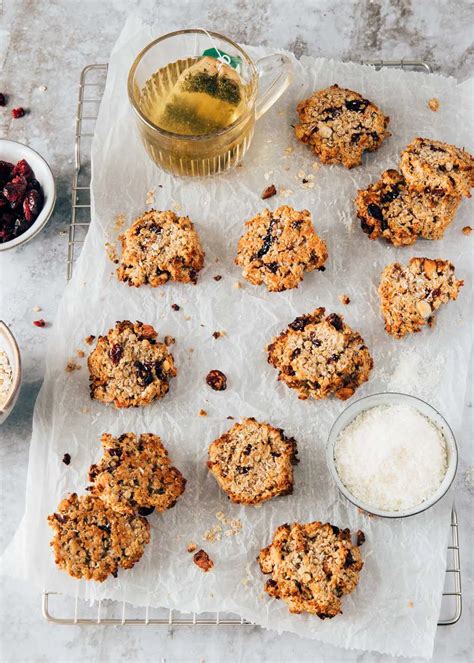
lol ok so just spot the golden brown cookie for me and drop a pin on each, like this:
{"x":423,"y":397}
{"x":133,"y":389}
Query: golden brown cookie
{"x":92,"y":541}
{"x":135,"y":475}
{"x":253,"y":462}
{"x":431,"y":164}
{"x":409,"y":296}
{"x":160,"y":247}
{"x":391,"y":210}
{"x":311,"y":565}
{"x":279,"y":247}
{"x":129,"y":367}
{"x":340,"y":125}
{"x":320,"y":356}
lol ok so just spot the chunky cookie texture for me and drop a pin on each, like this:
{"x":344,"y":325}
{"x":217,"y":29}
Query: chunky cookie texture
{"x":129,"y":367}
{"x":160,"y":247}
{"x":319,"y":356}
{"x":92,"y":541}
{"x":279,"y":247}
{"x":409,"y":296}
{"x":253,"y":462}
{"x":391,"y":210}
{"x":340,"y":125}
{"x":135,"y":475}
{"x":431,"y":164}
{"x":312,"y":566}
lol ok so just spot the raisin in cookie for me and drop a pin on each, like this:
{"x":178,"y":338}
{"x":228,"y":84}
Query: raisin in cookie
{"x":320,"y":356}
{"x":129,"y":367}
{"x":92,"y":541}
{"x":340,"y":125}
{"x":135,"y":474}
{"x":409,"y":296}
{"x":431,"y":164}
{"x":253,"y":462}
{"x":279,"y":247}
{"x":312,"y":565}
{"x":160,"y":247}
{"x":391,"y":210}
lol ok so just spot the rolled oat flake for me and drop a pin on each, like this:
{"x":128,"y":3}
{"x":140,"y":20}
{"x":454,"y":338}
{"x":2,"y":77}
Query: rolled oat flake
{"x":391,"y":457}
{"x":6,"y":378}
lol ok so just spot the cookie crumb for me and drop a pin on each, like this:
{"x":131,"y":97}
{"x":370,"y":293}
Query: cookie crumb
{"x":218,"y":334}
{"x":72,"y":366}
{"x":269,"y":192}
{"x":214,"y":534}
{"x":111,"y":253}
{"x":433,"y":104}
{"x":217,"y":380}
{"x":175,"y":307}
{"x":202,"y":559}
{"x":360,"y":537}
{"x":187,"y":318}
{"x":89,"y":339}
{"x":191,"y":547}
{"x":202,"y":413}
{"x":169,"y":340}
{"x":217,"y":277}
{"x":467,"y":230}
{"x":237,"y":285}
{"x":410,"y":604}
{"x":288,"y":150}
{"x":80,"y":353}
{"x":36,"y":308}
{"x":229,"y":417}
{"x":119,"y":221}
{"x":66,"y":459}
{"x":150,"y":197}
{"x":344,"y":299}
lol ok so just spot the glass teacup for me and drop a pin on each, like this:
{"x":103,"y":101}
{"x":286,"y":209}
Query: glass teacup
{"x":213,"y":134}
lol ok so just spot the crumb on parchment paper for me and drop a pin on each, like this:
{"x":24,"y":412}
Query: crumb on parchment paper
{"x":202,"y":413}
{"x":433,"y":104}
{"x":344,"y":299}
{"x":467,"y":230}
{"x":72,"y":366}
{"x":191,"y":547}
{"x":111,"y":252}
{"x":89,"y":339}
{"x":119,"y":221}
{"x":202,"y":559}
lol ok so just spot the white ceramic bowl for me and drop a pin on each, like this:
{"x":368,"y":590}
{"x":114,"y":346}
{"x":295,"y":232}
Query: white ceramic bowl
{"x":9,"y":345}
{"x":12,"y":151}
{"x":391,"y":398}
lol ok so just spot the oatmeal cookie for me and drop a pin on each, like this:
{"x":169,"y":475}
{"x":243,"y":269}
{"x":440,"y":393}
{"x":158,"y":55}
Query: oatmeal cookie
{"x":253,"y":462}
{"x":312,"y":565}
{"x":409,"y":296}
{"x":92,"y":541}
{"x":279,"y":247}
{"x":129,"y":367}
{"x":340,"y":125}
{"x":160,"y":247}
{"x":391,"y":210}
{"x":320,"y":356}
{"x":135,"y":475}
{"x":431,"y":164}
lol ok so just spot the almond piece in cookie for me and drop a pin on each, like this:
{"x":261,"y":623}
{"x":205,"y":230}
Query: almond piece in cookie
{"x":253,"y":462}
{"x":340,"y":125}
{"x":279,"y":247}
{"x":410,"y":296}
{"x":160,"y":247}
{"x":312,"y":566}
{"x":319,"y":355}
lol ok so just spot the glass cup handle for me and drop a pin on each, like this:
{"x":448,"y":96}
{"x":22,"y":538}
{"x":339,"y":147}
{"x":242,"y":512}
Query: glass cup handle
{"x":274,"y":73}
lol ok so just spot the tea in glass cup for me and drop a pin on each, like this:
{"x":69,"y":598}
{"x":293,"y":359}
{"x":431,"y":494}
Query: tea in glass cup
{"x":196,"y":114}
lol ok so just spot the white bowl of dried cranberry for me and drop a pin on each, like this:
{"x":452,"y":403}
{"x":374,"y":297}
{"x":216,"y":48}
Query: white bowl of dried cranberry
{"x":27,"y":193}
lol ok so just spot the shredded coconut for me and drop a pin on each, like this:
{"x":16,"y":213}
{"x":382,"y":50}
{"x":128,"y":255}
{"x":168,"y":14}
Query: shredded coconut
{"x":391,"y":457}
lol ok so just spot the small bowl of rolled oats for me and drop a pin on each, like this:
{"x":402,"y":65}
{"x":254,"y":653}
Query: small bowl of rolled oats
{"x":10,"y":371}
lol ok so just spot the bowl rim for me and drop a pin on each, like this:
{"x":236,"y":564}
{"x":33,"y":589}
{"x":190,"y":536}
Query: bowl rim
{"x":450,"y":440}
{"x":47,"y":210}
{"x":16,"y":383}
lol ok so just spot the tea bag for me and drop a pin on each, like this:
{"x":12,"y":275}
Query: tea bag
{"x":207,"y":97}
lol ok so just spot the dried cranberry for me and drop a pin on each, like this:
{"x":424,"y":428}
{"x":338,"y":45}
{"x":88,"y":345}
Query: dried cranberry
{"x":300,"y":323}
{"x":14,"y":191}
{"x":39,"y":323}
{"x":145,"y":374}
{"x":216,"y":380}
{"x":18,"y":112}
{"x":21,"y":225}
{"x":335,"y":321}
{"x":32,"y":204}
{"x":390,"y":195}
{"x":116,"y":352}
{"x":3,"y":101}
{"x":66,"y":459}
{"x":367,"y":228}
{"x":175,"y":307}
{"x":375,"y":211}
{"x":269,"y":192}
{"x":267,"y":241}
{"x":6,"y":169}
{"x":360,"y":537}
{"x":357,"y":105}
{"x":146,"y":510}
{"x":23,"y":168}
{"x":272,"y":267}
{"x":34,"y":184}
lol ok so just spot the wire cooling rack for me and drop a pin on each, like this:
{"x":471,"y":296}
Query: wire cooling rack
{"x":60,"y":609}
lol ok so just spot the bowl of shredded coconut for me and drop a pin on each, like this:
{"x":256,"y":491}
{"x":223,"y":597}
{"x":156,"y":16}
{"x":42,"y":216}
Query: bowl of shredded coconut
{"x":10,"y":371}
{"x":392,"y":455}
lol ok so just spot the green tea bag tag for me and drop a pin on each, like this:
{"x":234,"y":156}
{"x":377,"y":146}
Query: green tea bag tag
{"x":233,"y":61}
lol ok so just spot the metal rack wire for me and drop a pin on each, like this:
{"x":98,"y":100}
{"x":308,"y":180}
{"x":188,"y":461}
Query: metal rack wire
{"x":59,"y":609}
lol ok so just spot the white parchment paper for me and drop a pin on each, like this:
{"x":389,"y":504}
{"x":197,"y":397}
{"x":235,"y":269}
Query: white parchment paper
{"x":396,"y":605}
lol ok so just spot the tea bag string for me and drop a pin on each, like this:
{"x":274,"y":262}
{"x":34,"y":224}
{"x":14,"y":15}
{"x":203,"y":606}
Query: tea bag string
{"x":223,"y":57}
